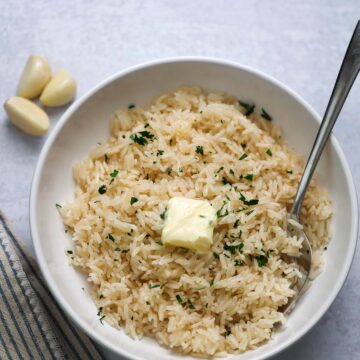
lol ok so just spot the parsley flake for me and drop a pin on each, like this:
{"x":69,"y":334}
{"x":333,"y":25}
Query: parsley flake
{"x":160,"y":152}
{"x":58,"y":206}
{"x":265,"y":115}
{"x":179,"y":299}
{"x":243,"y":156}
{"x":248,"y":202}
{"x":102,"y":189}
{"x":219,"y":212}
{"x":138,"y":139}
{"x":163,"y":214}
{"x":268,"y":151}
{"x":154,"y":286}
{"x":133,"y":200}
{"x":262,"y":260}
{"x":233,"y":247}
{"x":110,"y":237}
{"x":191,"y":305}
{"x":131,"y":106}
{"x":225,"y":181}
{"x":199,"y":150}
{"x":249,"y":177}
{"x":249,"y":108}
{"x":115,"y":173}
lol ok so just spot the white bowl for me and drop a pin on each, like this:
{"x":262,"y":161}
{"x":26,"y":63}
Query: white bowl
{"x":86,"y":122}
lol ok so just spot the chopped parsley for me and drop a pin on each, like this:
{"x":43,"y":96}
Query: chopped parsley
{"x":160,"y":243}
{"x":243,"y":145}
{"x":262,"y":260}
{"x":231,"y":171}
{"x":110,"y":237}
{"x":268,"y":151}
{"x":163,"y":214}
{"x":236,"y":223}
{"x":147,"y":302}
{"x":243,"y":156}
{"x":131,"y":106}
{"x":102,"y":189}
{"x":233,"y":247}
{"x":191,"y":305}
{"x":225,"y":181}
{"x":265,"y":115}
{"x":106,"y":158}
{"x":219,"y":212}
{"x":216,"y":255}
{"x":249,"y":177}
{"x":199,"y":150}
{"x":249,"y":212}
{"x":212,"y":282}
{"x":154,"y":286}
{"x":222,"y":168}
{"x":101,"y":319}
{"x":289,"y":171}
{"x":133,"y":200}
{"x":202,"y":216}
{"x":238,"y":262}
{"x":69,"y":252}
{"x":160,"y":152}
{"x":146,"y":134}
{"x":146,"y":126}
{"x":138,"y":139}
{"x":115,"y":173}
{"x":171,"y":141}
{"x":169,"y":170}
{"x":142,"y":139}
{"x":179,"y":299}
{"x":249,"y":108}
{"x":58,"y":206}
{"x":248,"y":202}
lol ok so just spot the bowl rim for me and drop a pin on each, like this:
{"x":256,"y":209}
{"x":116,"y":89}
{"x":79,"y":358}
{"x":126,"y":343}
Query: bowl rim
{"x":69,"y":311}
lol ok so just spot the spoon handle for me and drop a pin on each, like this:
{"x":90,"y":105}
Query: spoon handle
{"x":346,"y":77}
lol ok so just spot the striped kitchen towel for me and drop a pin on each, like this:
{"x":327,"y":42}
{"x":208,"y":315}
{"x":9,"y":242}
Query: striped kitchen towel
{"x":32,"y":326}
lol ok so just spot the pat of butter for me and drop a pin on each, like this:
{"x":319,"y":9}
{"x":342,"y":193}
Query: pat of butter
{"x":189,"y":223}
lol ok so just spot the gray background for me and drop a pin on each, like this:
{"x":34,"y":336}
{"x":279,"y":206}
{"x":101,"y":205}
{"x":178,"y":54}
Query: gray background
{"x":299,"y":42}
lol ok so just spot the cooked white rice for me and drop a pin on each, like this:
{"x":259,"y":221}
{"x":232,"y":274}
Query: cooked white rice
{"x":206,"y":303}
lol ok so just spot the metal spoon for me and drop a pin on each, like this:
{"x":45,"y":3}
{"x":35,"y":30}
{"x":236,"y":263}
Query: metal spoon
{"x":346,"y":77}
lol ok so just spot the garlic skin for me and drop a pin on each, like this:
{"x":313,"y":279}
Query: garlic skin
{"x":27,"y":116}
{"x":60,"y":90}
{"x":35,"y":76}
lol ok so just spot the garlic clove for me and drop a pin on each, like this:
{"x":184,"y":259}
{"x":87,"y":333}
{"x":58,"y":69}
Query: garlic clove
{"x":27,"y":116}
{"x":60,"y":90}
{"x":35,"y":76}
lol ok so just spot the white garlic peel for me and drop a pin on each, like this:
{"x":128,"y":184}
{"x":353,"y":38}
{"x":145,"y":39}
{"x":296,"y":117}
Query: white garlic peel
{"x":35,"y":76}
{"x":60,"y":90}
{"x":27,"y":116}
